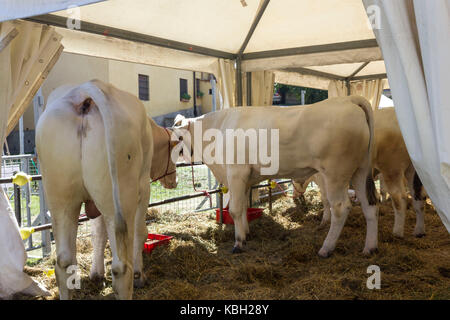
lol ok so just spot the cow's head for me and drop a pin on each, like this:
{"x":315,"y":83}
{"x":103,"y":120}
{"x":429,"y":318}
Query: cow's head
{"x":182,"y":135}
{"x":169,"y":180}
{"x":163,"y":166}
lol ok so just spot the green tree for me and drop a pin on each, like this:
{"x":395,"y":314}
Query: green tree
{"x":311,"y":96}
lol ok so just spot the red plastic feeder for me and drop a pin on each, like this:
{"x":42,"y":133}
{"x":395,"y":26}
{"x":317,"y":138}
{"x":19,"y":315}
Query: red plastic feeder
{"x":154,"y":240}
{"x":252,"y":214}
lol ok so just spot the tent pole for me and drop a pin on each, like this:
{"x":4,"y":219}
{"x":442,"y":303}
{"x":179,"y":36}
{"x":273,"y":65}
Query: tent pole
{"x":238,"y":82}
{"x":362,"y":66}
{"x":330,"y":47}
{"x":249,"y":88}
{"x":316,"y":73}
{"x":347,"y":84}
{"x":57,"y":21}
{"x":253,"y":26}
{"x":194,"y":87}
{"x":21,"y":137}
{"x":212,"y":81}
{"x":371,"y":77}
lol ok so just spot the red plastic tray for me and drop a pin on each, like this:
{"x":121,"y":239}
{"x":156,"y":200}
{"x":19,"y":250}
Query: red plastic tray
{"x":252,"y":214}
{"x":154,"y":240}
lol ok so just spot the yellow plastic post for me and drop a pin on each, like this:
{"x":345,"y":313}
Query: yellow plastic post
{"x":21,"y":178}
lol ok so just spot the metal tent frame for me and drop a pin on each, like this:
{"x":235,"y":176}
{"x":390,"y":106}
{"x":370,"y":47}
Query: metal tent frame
{"x":239,"y":56}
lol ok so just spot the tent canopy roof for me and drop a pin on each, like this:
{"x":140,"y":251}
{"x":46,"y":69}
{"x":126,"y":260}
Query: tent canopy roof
{"x":330,"y":38}
{"x":223,"y":25}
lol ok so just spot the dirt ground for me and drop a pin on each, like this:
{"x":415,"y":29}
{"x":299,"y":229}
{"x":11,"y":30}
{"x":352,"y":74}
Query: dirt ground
{"x":280,"y":260}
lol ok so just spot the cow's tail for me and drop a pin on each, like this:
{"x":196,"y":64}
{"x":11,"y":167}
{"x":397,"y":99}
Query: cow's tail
{"x":367,"y":108}
{"x":97,"y":95}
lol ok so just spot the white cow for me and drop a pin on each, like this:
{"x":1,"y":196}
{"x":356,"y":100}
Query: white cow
{"x":163,"y":169}
{"x":332,"y":137}
{"x":95,"y":144}
{"x":392,"y":160}
{"x":394,"y":167}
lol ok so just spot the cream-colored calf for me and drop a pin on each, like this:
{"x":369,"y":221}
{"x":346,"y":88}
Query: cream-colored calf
{"x":332,"y":137}
{"x":391,"y":160}
{"x":95,"y":145}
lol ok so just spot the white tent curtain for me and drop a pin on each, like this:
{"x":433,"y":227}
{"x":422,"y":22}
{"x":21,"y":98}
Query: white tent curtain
{"x":369,"y":89}
{"x":414,"y":39}
{"x":262,"y":88}
{"x":226,"y":83}
{"x":34,"y":52}
{"x":24,"y":62}
{"x":337,"y":88}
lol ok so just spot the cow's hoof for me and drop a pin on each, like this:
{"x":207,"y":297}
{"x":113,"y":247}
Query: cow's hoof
{"x":398,"y":235}
{"x":419,"y":234}
{"x":237,"y":250}
{"x":139,"y":283}
{"x":322,"y":225}
{"x":139,"y":280}
{"x":370,"y":251}
{"x":96,"y":277}
{"x":323,"y":253}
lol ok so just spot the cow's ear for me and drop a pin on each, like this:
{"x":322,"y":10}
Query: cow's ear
{"x":173,"y":144}
{"x":178,"y":120}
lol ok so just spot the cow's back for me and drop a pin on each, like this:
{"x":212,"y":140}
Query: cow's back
{"x":390,"y":148}
{"x":304,"y":131}
{"x":72,"y":146}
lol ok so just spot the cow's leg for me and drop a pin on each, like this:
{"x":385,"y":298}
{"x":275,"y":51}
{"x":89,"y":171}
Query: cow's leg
{"x":120,"y":234}
{"x":326,"y":216}
{"x":140,"y":235}
{"x":340,"y":207}
{"x":119,"y":225}
{"x":366,"y":192}
{"x":415,"y":187}
{"x":396,"y":188}
{"x":244,"y":218}
{"x":122,"y":258}
{"x":65,"y":226}
{"x":382,"y":188}
{"x":299,"y":188}
{"x":238,"y":208}
{"x":99,"y":237}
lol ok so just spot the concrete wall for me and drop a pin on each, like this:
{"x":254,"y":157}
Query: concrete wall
{"x":206,"y":100}
{"x":75,"y":69}
{"x":164,"y":85}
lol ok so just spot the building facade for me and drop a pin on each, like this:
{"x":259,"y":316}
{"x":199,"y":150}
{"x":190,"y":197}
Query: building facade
{"x":160,"y":89}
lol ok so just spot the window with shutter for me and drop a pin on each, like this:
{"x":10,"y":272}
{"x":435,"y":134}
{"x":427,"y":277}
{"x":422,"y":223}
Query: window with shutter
{"x":144,"y":87}
{"x":183,"y":87}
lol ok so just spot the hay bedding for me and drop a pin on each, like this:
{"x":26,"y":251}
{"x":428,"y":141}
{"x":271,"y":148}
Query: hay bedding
{"x":281,"y":259}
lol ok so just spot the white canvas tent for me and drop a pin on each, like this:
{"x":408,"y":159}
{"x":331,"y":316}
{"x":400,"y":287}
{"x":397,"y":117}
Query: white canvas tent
{"x":327,"y":44}
{"x":310,"y":43}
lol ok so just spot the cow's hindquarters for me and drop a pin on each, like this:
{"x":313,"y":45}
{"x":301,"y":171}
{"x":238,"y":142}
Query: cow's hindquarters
{"x":99,"y":185}
{"x":58,"y":147}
